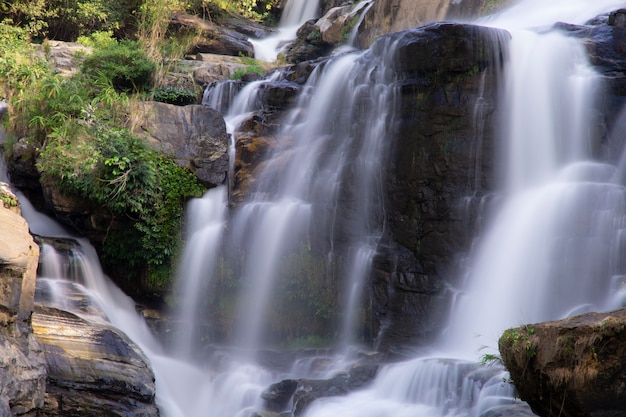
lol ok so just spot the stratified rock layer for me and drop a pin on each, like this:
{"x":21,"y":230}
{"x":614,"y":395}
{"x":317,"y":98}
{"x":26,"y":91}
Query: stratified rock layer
{"x":93,"y":368}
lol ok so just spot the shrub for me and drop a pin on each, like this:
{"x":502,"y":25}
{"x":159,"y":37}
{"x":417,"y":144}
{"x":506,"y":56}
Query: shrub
{"x":179,"y":96}
{"x":125,"y":65}
{"x":118,"y":171}
{"x":98,"y":39}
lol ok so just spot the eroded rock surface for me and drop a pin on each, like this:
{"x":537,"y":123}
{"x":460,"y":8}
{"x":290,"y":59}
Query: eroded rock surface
{"x":22,"y":367}
{"x":93,"y":368}
{"x":571,"y":368}
{"x":195,"y":136}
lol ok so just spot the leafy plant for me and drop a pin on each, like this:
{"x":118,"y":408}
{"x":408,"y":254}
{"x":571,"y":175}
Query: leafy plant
{"x":179,"y":96}
{"x":125,"y":65}
{"x":98,"y":39}
{"x":251,"y":66}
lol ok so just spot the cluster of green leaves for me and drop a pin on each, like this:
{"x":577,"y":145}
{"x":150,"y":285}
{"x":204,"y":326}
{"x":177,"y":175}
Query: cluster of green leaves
{"x":258,"y":10}
{"x":521,"y":337}
{"x":171,"y":94}
{"x":19,"y":67}
{"x":124,"y":64}
{"x":251,"y":66}
{"x":68,"y":19}
{"x":78,"y":126}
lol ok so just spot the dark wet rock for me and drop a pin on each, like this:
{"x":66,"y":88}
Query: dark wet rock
{"x":572,"y":367}
{"x":299,"y":394}
{"x":308,"y":45}
{"x":440,"y":154}
{"x":278,"y":396}
{"x":309,"y":390}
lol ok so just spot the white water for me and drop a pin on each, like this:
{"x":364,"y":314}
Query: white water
{"x":560,"y":207}
{"x":296,"y":12}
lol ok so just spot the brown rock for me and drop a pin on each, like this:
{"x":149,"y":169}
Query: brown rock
{"x":573,"y":367}
{"x":195,"y":136}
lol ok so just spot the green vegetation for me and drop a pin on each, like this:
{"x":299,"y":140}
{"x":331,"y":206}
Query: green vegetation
{"x":179,"y":96}
{"x":251,"y":66}
{"x":78,"y":126}
{"x":124,"y":64}
{"x":522,"y":335}
{"x":70,"y":19}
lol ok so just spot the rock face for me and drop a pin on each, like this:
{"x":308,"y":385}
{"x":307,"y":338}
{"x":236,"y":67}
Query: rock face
{"x":441,"y":153}
{"x":213,"y":39}
{"x":308,"y":44}
{"x":573,"y":367}
{"x":195,"y":136}
{"x":93,"y":368}
{"x":388,"y":16}
{"x":22,"y":368}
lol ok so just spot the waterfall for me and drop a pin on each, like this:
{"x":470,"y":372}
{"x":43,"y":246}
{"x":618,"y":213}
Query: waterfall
{"x":295,"y":13}
{"x":329,"y":189}
{"x":552,"y":250}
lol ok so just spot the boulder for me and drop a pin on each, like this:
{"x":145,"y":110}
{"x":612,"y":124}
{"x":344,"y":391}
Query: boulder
{"x":298,"y":394}
{"x":213,"y":39}
{"x":93,"y":368}
{"x":388,"y":16}
{"x":63,"y":55}
{"x":572,"y":367}
{"x":194,"y":136}
{"x":334,"y":25}
{"x":22,"y":367}
{"x":308,"y":44}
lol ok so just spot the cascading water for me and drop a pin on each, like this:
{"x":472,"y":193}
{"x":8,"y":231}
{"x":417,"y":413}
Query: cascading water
{"x":565,"y":209}
{"x":552,"y":251}
{"x":295,"y":13}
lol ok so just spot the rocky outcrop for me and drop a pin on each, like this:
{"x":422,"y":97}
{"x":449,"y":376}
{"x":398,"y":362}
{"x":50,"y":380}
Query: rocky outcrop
{"x":211,"y":38}
{"x":295,"y":396}
{"x":605,"y":40}
{"x":194,"y":136}
{"x":93,"y":368}
{"x":441,"y":153}
{"x":388,"y":16}
{"x":308,"y":44}
{"x":571,"y":368}
{"x":22,"y":368}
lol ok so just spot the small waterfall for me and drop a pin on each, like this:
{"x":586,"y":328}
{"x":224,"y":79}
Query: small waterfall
{"x":295,"y":13}
{"x":325,"y":165}
{"x":205,"y":225}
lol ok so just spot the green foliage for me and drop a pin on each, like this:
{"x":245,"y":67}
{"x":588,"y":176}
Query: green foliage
{"x":490,"y":359}
{"x":259,"y":10}
{"x":125,"y":65}
{"x":98,"y":39}
{"x":521,"y":336}
{"x":68,"y":19}
{"x":179,"y":96}
{"x":117,"y":171}
{"x":251,"y":66}
{"x":30,"y":15}
{"x":19,"y":67}
{"x":77,"y":125}
{"x":158,"y":218}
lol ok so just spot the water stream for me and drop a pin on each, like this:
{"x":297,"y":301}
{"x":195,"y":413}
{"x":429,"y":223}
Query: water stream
{"x":295,"y":13}
{"x":561,"y":219}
